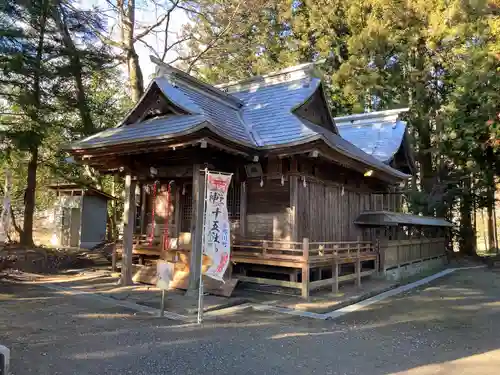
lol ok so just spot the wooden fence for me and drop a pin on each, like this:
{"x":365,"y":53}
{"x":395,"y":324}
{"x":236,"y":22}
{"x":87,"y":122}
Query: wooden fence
{"x":398,"y":253}
{"x":295,"y":259}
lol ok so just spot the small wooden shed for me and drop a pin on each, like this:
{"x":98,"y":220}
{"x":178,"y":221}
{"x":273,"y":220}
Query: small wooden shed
{"x":80,"y":216}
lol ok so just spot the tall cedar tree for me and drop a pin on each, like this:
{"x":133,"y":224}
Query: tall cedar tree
{"x":43,"y":74}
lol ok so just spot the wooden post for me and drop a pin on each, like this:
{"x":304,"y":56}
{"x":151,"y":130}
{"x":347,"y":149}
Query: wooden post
{"x":335,"y":275}
{"x":243,"y":209}
{"x":143,"y":209}
{"x":177,"y":214}
{"x":305,"y":268}
{"x":294,"y":202}
{"x":265,"y":246}
{"x":128,"y":230}
{"x":358,"y":265}
{"x":113,"y":259}
{"x":196,"y":230}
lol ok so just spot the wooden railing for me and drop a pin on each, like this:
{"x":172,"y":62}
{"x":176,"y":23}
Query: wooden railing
{"x":397,"y":253}
{"x":302,"y":257}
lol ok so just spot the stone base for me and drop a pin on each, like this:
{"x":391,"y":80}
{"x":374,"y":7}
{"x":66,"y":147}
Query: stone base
{"x":413,"y":269}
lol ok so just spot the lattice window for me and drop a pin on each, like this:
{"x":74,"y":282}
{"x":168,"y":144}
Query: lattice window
{"x":233,"y":205}
{"x":186,"y":208}
{"x":233,"y":201}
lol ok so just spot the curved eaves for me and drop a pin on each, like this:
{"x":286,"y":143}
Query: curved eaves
{"x":177,"y":97}
{"x":337,"y":142}
{"x":156,"y":129}
{"x":348,"y":149}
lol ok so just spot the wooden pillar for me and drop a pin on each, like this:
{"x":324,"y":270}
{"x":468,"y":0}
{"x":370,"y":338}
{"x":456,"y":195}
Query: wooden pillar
{"x":358,"y":264}
{"x":335,"y":275}
{"x":305,"y":268}
{"x":294,"y":202}
{"x":143,"y":209}
{"x":196,"y":230}
{"x":243,"y":209}
{"x":113,"y":258}
{"x":128,"y":230}
{"x":177,"y":212}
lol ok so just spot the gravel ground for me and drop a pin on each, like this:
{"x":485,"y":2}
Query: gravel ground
{"x":448,"y":327}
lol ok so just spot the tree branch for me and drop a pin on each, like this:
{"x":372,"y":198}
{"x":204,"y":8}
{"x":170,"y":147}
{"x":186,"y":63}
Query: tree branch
{"x":151,"y":27}
{"x":177,"y":42}
{"x":151,"y":49}
{"x":215,"y":39}
{"x":167,"y":26}
{"x":16,"y":226}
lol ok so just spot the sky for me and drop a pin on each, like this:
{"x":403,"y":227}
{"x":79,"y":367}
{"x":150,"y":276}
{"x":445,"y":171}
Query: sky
{"x":145,"y":15}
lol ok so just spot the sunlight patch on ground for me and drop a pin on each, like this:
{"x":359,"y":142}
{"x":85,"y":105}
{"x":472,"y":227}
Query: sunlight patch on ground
{"x":485,"y":364}
{"x":303,"y":334}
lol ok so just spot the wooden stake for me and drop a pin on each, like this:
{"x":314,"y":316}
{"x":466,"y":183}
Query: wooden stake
{"x":335,"y":273}
{"x":128,"y":230}
{"x":196,"y":230}
{"x":305,"y":268}
{"x":358,"y":265}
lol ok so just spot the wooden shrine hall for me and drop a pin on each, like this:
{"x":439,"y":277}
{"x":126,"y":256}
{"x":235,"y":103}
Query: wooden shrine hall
{"x":300,"y":180}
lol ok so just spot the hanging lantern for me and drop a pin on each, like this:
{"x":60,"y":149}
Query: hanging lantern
{"x":304,"y":182}
{"x":282,"y":180}
{"x":261,"y":182}
{"x":342,"y":193}
{"x":183,"y":189}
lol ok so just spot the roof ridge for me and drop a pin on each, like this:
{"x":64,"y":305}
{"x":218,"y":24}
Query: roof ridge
{"x":363,"y":118}
{"x":253,"y":135}
{"x":292,"y":74}
{"x":189,"y":80}
{"x":305,"y":67}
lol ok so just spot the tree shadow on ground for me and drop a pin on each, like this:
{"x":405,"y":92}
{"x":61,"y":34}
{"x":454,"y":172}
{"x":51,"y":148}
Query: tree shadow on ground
{"x":444,"y":326}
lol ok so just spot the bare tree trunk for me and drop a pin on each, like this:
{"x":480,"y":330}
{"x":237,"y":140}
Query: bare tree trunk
{"x":29,"y":199}
{"x":483,"y":231}
{"x":490,"y":212}
{"x":29,"y":194}
{"x":467,"y":235}
{"x":127,"y":24}
{"x":136,"y":79}
{"x":16,"y":226}
{"x":495,"y":228}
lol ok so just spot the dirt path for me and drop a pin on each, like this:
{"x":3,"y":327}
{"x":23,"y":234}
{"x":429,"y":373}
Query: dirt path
{"x":448,"y":327}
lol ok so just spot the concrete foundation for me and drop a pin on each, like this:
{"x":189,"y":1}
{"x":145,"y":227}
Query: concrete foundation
{"x":408,"y":270}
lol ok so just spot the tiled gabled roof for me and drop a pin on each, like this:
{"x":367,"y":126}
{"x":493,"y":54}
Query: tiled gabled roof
{"x":379,"y":134}
{"x":258,"y":113}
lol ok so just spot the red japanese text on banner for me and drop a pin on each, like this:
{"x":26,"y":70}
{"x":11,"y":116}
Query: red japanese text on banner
{"x":217,"y":227}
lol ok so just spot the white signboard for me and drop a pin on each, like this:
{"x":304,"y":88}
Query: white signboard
{"x":217,"y":235}
{"x":165,"y":274}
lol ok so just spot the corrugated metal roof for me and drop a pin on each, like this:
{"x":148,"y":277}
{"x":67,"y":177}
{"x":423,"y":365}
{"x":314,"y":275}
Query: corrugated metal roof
{"x":379,"y":134}
{"x":156,"y":128}
{"x":387,"y":218}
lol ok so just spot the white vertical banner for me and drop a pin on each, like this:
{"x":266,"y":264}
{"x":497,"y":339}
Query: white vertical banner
{"x":216,"y":229}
